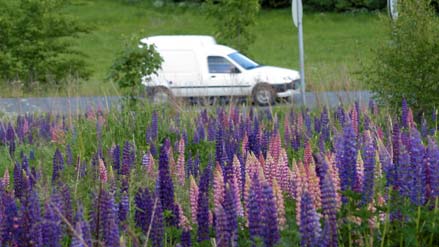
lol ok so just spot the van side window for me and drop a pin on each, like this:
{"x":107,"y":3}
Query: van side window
{"x":219,"y":64}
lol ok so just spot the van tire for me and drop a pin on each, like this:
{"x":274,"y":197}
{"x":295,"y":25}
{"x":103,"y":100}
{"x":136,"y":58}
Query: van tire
{"x":160,"y":95}
{"x":263,"y":95}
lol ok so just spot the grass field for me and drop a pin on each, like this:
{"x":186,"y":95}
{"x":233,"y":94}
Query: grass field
{"x":335,"y":43}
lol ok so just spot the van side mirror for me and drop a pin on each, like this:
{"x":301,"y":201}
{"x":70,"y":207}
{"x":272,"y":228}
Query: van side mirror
{"x":234,"y":70}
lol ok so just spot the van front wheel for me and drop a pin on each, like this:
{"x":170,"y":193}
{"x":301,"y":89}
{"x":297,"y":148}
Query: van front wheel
{"x":263,"y":95}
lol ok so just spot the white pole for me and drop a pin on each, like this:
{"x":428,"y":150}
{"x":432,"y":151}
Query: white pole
{"x":301,"y":54}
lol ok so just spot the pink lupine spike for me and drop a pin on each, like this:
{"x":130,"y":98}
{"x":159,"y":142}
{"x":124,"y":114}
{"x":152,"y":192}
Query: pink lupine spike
{"x":299,"y":123}
{"x":360,"y":173}
{"x":333,"y":171}
{"x":25,"y":126}
{"x":410,"y":120}
{"x":102,"y":171}
{"x":183,"y":222}
{"x":314,"y":186}
{"x":274,"y":146}
{"x":261,"y":160}
{"x":193,"y":197}
{"x":354,"y":118}
{"x":6,"y":178}
{"x":210,"y":218}
{"x":280,"y":205}
{"x":181,"y":146}
{"x":307,"y":154}
{"x":237,"y":195}
{"x":180,"y":169}
{"x":244,"y":145}
{"x":238,"y":174}
{"x":269,"y":168}
{"x":246,"y":194}
{"x":283,"y":171}
{"x":218,"y":186}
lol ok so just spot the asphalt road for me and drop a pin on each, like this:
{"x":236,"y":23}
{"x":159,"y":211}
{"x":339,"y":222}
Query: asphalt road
{"x":75,"y":105}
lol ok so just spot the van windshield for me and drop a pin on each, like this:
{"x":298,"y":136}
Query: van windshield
{"x":243,"y":61}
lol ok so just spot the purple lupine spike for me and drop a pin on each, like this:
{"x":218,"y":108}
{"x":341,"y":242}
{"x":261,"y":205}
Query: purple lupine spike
{"x":348,"y":167}
{"x":254,"y":209}
{"x":270,"y":231}
{"x":317,"y":125}
{"x":366,"y":124}
{"x":186,"y":240}
{"x":264,"y":142}
{"x":69,"y":155}
{"x":369,"y":170}
{"x":116,"y":158}
{"x":67,"y":209}
{"x":10,"y":224}
{"x":203,"y":205}
{"x":396,"y":142}
{"x":18,"y":181}
{"x":230,"y":209}
{"x":211,"y":130}
{"x":157,"y":231}
{"x":144,"y":204}
{"x":310,"y":229}
{"x":127,"y":158}
{"x":405,"y":172}
{"x":108,"y":220}
{"x":223,"y":236}
{"x":77,"y":240}
{"x":153,"y":149}
{"x":329,"y":210}
{"x":418,"y":191}
{"x":10,"y":133}
{"x":84,"y":227}
{"x":340,"y":115}
{"x":387,"y":165}
{"x":196,"y":165}
{"x":433,"y":158}
{"x":58,"y":165}
{"x":321,"y":166}
{"x":12,"y":148}
{"x":322,"y":148}
{"x":30,"y":220}
{"x":219,"y":143}
{"x":51,"y":226}
{"x":124,"y":206}
{"x":166,"y":186}
{"x":404,"y":113}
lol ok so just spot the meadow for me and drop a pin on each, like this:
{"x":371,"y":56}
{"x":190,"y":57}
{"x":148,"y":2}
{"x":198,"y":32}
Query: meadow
{"x":232,"y":176}
{"x":335,"y":43}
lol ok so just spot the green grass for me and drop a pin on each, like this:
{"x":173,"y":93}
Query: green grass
{"x":335,"y":43}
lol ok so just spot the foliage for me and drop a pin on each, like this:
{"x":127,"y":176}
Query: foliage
{"x":344,"y":5}
{"x":132,"y":65}
{"x":233,"y":20}
{"x":406,"y":66}
{"x":36,"y":43}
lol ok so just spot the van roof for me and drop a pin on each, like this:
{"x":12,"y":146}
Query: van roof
{"x":174,"y":41}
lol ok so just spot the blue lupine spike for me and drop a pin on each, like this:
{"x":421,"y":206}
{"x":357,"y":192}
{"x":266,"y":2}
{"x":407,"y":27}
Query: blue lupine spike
{"x":271,"y":231}
{"x":166,"y":186}
{"x":310,"y":229}
{"x":418,"y":191}
{"x":369,"y":170}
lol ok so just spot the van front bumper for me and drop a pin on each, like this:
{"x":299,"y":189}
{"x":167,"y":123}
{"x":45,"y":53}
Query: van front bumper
{"x":288,"y":93}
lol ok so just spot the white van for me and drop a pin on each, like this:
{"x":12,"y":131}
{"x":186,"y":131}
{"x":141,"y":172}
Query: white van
{"x":196,"y":66}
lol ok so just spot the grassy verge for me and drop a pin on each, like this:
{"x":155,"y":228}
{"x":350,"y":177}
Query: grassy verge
{"x":335,"y":43}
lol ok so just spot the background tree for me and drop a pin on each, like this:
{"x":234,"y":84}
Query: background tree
{"x":234,"y":20}
{"x":132,"y":64}
{"x":406,"y":65}
{"x":36,"y":43}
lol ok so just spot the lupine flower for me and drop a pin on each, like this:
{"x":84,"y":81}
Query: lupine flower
{"x":254,"y":208}
{"x":355,"y":120}
{"x":280,"y":205}
{"x":58,"y":165}
{"x":19,"y":186}
{"x":329,"y":209}
{"x":222,"y":228}
{"x":418,"y":192}
{"x":348,"y":171}
{"x":405,"y":172}
{"x":109,"y":220}
{"x":369,"y":169}
{"x":124,"y":206}
{"x":193,"y":197}
{"x":396,"y":140}
{"x":231,"y":214}
{"x":218,"y":187}
{"x":310,"y":229}
{"x":102,"y":171}
{"x":5,"y":179}
{"x":186,"y":238}
{"x":77,"y":240}
{"x":283,"y":171}
{"x":69,"y":155}
{"x":127,"y":158}
{"x":404,"y":115}
{"x":144,"y":205}
{"x":433,"y":159}
{"x":166,"y":186}
{"x":116,"y":158}
{"x":324,"y":122}
{"x":360,"y":173}
{"x":270,"y":217}
{"x":180,"y":162}
{"x":51,"y":227}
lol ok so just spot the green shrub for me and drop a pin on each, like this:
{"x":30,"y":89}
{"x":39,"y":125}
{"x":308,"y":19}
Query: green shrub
{"x":406,"y":66}
{"x":132,"y":64}
{"x":36,"y":43}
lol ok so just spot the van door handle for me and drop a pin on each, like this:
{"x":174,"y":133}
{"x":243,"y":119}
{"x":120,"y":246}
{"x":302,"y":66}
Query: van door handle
{"x":212,"y":76}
